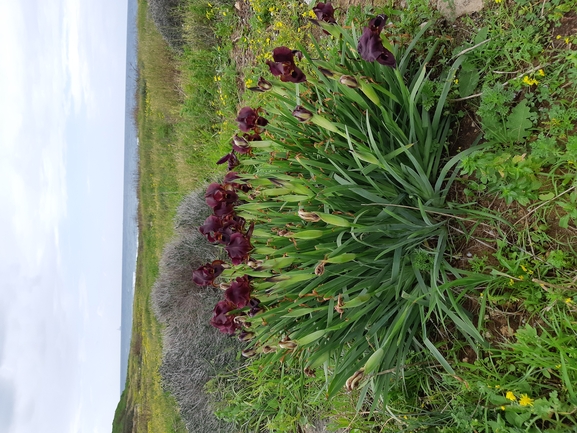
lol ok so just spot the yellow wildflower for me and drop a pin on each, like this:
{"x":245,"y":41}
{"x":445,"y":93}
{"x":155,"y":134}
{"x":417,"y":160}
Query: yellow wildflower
{"x":524,"y":268}
{"x":568,"y":301}
{"x":511,"y":282}
{"x":502,"y":407}
{"x":510,"y":396}
{"x":558,"y":37}
{"x":497,"y":386}
{"x":529,"y":81}
{"x":456,"y":81}
{"x":541,"y":72}
{"x":526,"y":400}
{"x":567,"y":40}
{"x":521,"y":277}
{"x":498,"y":1}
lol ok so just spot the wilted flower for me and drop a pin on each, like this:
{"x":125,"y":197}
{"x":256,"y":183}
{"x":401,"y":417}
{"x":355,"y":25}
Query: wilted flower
{"x":349,"y":81}
{"x":239,"y":292}
{"x":287,"y":344}
{"x":370,"y":45}
{"x":284,"y":66}
{"x":353,"y":381}
{"x":248,"y":353}
{"x":302,"y":114}
{"x":320,"y":268}
{"x":308,"y":216}
{"x":249,"y":119}
{"x":325,"y":12}
{"x":326,"y":72}
{"x":222,"y":320}
{"x":205,"y":275}
{"x":255,"y":308}
{"x":245,"y":336}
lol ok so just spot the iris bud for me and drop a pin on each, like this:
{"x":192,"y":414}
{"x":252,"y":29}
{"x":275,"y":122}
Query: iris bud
{"x":264,"y":84}
{"x":308,"y":216}
{"x":249,"y":353}
{"x":287,"y":344}
{"x":245,"y":336}
{"x":302,"y":114}
{"x":349,"y":81}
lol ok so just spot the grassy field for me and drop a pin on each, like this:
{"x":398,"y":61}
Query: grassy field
{"x":513,"y":86}
{"x":176,"y":155}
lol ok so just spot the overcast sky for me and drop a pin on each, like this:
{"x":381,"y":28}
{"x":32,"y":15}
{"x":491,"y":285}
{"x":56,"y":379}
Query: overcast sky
{"x":62,"y":90}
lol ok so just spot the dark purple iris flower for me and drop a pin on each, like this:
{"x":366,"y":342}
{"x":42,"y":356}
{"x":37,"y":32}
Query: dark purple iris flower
{"x":205,"y":275}
{"x":284,"y":66}
{"x":234,"y":221}
{"x":230,"y":178}
{"x":216,"y":194}
{"x":325,"y":12}
{"x":239,"y":292}
{"x":211,"y":227}
{"x":249,"y":120}
{"x":238,"y":248}
{"x":240,"y":145}
{"x":222,"y":320}
{"x":231,"y":158}
{"x":370,"y":45}
{"x":221,"y":228}
{"x":223,"y":209}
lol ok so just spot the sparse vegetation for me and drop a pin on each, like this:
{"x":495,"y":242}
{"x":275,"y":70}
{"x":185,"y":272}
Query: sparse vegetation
{"x":193,"y":352}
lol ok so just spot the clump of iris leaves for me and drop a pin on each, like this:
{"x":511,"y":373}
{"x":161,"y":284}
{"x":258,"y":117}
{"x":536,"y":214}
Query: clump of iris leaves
{"x":336,"y":215}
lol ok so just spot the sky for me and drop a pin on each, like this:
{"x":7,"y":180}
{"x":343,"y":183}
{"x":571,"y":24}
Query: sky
{"x":62,"y":96}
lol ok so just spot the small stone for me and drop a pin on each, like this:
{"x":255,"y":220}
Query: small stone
{"x":452,"y":9}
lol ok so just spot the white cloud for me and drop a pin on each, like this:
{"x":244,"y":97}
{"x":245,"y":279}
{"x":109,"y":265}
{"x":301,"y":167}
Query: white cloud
{"x":74,"y":57}
{"x":57,"y":348}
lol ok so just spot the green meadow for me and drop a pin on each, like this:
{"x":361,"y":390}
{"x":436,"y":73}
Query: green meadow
{"x":412,"y":229}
